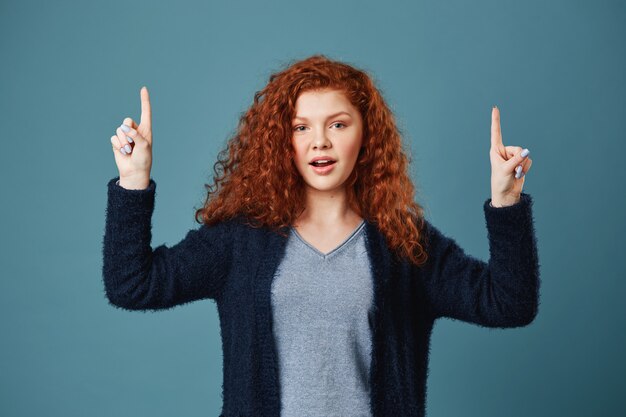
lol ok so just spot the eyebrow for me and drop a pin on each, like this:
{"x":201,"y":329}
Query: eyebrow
{"x":329,"y":117}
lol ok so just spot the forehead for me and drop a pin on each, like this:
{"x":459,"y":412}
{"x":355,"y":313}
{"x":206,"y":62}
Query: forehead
{"x":322,"y":102}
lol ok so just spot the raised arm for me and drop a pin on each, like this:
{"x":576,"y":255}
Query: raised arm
{"x":136,"y":277}
{"x":501,"y":293}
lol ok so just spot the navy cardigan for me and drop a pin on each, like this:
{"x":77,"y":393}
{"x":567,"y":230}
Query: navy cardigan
{"x":234,"y":264}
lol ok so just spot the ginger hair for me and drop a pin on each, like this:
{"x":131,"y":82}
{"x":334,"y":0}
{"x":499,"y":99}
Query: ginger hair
{"x":256,"y":176}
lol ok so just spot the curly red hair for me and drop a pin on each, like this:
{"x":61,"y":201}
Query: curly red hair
{"x":253,"y":179}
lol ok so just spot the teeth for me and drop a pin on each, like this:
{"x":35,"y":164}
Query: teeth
{"x":321,"y":161}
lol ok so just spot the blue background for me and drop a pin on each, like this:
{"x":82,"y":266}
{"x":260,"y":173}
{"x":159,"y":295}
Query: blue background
{"x":71,"y":72}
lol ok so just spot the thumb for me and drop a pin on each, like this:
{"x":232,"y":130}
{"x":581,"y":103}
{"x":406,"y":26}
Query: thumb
{"x":520,"y":157}
{"x":131,"y":134}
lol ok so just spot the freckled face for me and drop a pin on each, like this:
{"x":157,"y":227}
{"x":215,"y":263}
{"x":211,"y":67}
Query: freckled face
{"x":326,"y":124}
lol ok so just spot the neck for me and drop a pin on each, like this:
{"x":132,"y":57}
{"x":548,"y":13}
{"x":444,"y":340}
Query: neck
{"x":327,"y":208}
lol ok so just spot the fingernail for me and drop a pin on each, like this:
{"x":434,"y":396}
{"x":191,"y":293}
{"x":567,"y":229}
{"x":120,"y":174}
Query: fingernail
{"x":525,"y":153}
{"x":518,"y":168}
{"x":125,"y":128}
{"x":130,"y":140}
{"x":123,"y":151}
{"x":517,"y":175}
{"x":127,"y":147}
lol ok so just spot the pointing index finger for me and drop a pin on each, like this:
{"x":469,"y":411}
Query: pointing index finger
{"x":146,"y":111}
{"x":496,"y":133}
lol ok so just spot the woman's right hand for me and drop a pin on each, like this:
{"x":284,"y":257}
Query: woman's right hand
{"x":134,"y":156}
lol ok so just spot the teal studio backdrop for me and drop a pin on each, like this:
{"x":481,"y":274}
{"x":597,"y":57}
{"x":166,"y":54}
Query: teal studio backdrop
{"x":72,"y":70}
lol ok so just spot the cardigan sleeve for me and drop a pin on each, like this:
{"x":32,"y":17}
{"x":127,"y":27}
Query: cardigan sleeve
{"x":137,"y":277}
{"x":503,"y":292}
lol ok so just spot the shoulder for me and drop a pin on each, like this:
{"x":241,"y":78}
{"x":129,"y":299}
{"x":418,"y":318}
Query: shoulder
{"x":436,"y":242}
{"x":236,"y":228}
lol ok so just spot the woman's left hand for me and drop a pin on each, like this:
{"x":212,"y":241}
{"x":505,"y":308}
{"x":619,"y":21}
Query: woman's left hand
{"x":509,"y":166}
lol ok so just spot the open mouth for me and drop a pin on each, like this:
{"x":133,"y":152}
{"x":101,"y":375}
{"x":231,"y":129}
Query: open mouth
{"x":323,"y":167}
{"x":319,"y":164}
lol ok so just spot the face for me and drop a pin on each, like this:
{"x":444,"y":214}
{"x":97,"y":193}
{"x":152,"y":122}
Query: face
{"x":326,"y":124}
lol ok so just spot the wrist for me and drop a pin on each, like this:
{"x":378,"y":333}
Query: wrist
{"x":504,"y":201}
{"x":139,"y":182}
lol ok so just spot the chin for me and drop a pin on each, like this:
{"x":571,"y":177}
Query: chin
{"x":325,"y":187}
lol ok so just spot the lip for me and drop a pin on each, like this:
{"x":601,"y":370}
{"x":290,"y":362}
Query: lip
{"x":323,"y":170}
{"x":317,"y":158}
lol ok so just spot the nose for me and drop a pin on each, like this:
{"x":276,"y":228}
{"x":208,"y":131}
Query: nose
{"x":320,"y":140}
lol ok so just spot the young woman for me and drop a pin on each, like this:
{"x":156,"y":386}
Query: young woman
{"x":327,"y":276}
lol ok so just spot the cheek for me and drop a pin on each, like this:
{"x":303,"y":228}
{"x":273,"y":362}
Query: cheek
{"x":353,"y":149}
{"x":294,"y":151}
{"x":299,"y":158}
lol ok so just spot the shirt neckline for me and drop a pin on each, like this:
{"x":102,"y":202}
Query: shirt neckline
{"x":336,"y":249}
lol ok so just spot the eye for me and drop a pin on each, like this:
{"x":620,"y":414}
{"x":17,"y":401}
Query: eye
{"x":297,"y":127}
{"x":338,"y":123}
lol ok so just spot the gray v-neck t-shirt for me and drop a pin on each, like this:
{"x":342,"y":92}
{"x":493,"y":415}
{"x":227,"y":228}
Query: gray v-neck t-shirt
{"x":322,"y":315}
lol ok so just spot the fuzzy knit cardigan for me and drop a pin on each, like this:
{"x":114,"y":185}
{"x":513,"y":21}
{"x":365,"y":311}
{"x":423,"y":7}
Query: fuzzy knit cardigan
{"x":234,"y":264}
